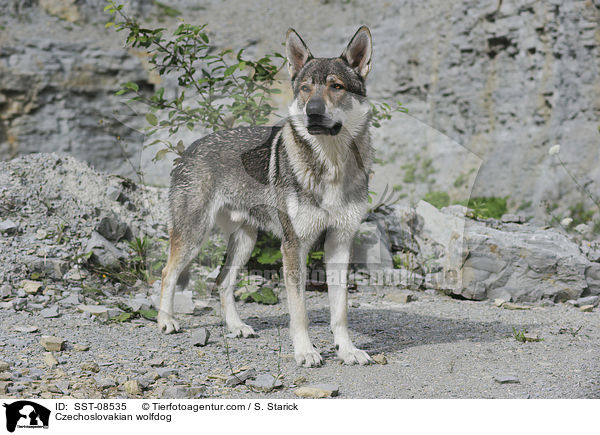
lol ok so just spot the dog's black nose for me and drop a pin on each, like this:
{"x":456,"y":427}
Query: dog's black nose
{"x":315,"y":107}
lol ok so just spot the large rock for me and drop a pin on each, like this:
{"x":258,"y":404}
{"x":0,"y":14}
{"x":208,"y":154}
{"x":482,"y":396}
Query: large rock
{"x":509,"y":261}
{"x":370,"y":250}
{"x":104,"y":253}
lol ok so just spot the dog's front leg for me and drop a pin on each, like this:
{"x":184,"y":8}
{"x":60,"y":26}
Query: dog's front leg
{"x":337,"y":256}
{"x":294,"y":273}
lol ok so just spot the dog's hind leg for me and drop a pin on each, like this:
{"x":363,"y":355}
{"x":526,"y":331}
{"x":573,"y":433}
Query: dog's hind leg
{"x":337,"y":255}
{"x":239,"y":249}
{"x":183,"y":249}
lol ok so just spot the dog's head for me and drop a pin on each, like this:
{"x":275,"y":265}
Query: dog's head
{"x":328,"y":92}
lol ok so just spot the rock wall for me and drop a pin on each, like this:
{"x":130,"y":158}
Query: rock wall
{"x":501,"y":81}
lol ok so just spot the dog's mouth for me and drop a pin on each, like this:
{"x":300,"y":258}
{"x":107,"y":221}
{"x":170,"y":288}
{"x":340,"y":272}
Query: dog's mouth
{"x":318,"y":124}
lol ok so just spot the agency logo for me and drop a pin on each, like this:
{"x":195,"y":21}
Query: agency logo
{"x":25,"y":414}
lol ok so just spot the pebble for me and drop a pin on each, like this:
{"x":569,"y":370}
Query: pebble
{"x":25,"y":328}
{"x":103,"y":382}
{"x":317,"y":391}
{"x":200,"y":337}
{"x":165,"y":372}
{"x":299,"y":380}
{"x":176,"y":392}
{"x":240,"y":378}
{"x":156,"y":362}
{"x":5,"y":291}
{"x":7,"y":226}
{"x":50,"y":313}
{"x":586,"y":308}
{"x":265,"y":383}
{"x":4,"y":387}
{"x":400,"y":297}
{"x":511,"y":306}
{"x":380,"y":359}
{"x":52,"y":344}
{"x":31,"y":287}
{"x":507,"y":379}
{"x":95,"y":310}
{"x":499,"y":302}
{"x":4,"y":366}
{"x":90,"y":366}
{"x":81,"y":347}
{"x":133,"y":387}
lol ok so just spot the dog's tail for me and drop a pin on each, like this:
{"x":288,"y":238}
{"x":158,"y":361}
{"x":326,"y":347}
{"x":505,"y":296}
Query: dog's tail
{"x":184,"y":278}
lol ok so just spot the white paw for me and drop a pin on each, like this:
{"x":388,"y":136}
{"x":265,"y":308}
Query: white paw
{"x":166,"y":323}
{"x":242,"y":330}
{"x":309,"y":358}
{"x":353,"y":355}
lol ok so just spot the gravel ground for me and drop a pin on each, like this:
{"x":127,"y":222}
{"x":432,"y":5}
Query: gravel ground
{"x":436,"y":347}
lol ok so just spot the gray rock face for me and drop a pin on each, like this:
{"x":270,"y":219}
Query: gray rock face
{"x":504,"y":79}
{"x":370,"y":250}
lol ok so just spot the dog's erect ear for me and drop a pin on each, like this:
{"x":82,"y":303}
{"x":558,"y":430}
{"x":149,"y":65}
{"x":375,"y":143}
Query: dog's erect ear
{"x":296,"y":51}
{"x":358,"y":52}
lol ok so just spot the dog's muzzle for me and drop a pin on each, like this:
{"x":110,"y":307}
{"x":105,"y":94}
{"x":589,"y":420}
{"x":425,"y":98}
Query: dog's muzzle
{"x":318,"y":124}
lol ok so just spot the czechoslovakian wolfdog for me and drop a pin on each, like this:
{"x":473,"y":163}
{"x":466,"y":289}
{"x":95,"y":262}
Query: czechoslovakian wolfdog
{"x":306,"y":176}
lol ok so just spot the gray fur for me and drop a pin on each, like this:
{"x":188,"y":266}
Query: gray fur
{"x":284,"y":180}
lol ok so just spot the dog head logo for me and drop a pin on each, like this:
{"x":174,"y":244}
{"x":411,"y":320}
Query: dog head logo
{"x":26,"y":414}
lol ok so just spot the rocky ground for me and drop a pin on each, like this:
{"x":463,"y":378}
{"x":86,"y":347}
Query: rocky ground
{"x":435,"y":347}
{"x":77,"y":313}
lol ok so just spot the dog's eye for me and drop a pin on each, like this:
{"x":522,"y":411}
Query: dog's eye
{"x":305,"y":88}
{"x":337,"y":86}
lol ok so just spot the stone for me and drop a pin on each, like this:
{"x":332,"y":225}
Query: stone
{"x":104,"y":253}
{"x":52,"y":344}
{"x":90,"y":366}
{"x":586,"y":308}
{"x":240,"y":378}
{"x":54,"y":268}
{"x":8,"y":227}
{"x":133,"y":387}
{"x":31,"y":287}
{"x":156,"y":362}
{"x":176,"y":392}
{"x":64,"y":9}
{"x":4,"y":366}
{"x":165,"y":372}
{"x":75,"y":274}
{"x":50,"y":360}
{"x":95,"y":310}
{"x":380,"y":359}
{"x":499,"y":302}
{"x":264,"y":383}
{"x":200,"y":337}
{"x":515,"y":307}
{"x":71,"y":300}
{"x":317,"y":391}
{"x":112,"y":229}
{"x":51,"y":312}
{"x":81,"y":347}
{"x":400,"y":297}
{"x":104,"y":382}
{"x":588,"y":300}
{"x":5,"y":291}
{"x":25,"y":328}
{"x":506,"y":379}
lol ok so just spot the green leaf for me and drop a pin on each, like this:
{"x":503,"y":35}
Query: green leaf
{"x":151,"y":118}
{"x":120,"y":91}
{"x":161,"y":154}
{"x":269,"y":256}
{"x":131,"y":85}
{"x":264,"y":296}
{"x":109,"y":24}
{"x":123,"y":317}
{"x":230,"y":70}
{"x":148,"y":314}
